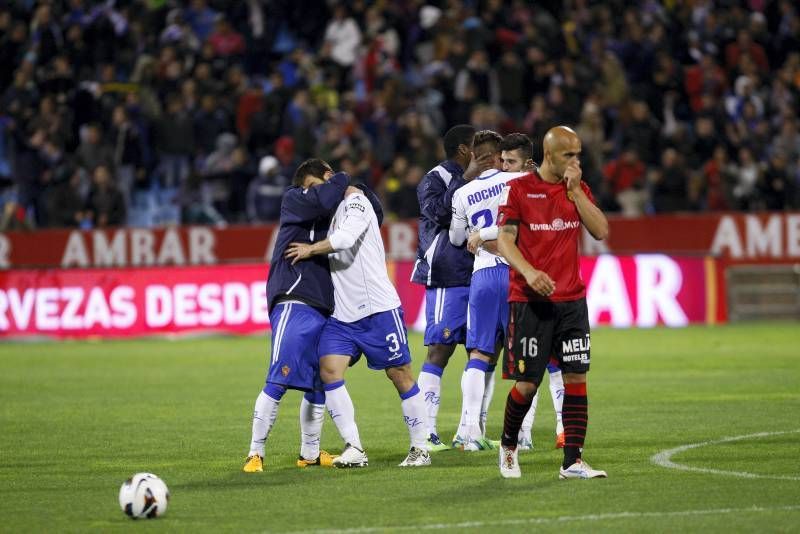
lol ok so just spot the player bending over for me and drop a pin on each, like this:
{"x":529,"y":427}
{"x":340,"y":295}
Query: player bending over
{"x":300,"y":297}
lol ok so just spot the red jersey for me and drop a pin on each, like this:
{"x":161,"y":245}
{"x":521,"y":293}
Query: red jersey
{"x":549,"y":229}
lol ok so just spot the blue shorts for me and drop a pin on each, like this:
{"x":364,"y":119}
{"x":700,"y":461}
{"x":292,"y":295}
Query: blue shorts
{"x":295,"y":333}
{"x":380,"y":336}
{"x":487,"y":318}
{"x":446,"y":315}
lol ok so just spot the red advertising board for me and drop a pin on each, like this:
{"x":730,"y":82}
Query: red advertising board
{"x":734,"y":237}
{"x":623,"y":291}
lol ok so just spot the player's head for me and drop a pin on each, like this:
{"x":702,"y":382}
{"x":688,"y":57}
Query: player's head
{"x":561,"y":147}
{"x":458,"y":143}
{"x":311,"y":172}
{"x":517,"y":152}
{"x":488,"y":142}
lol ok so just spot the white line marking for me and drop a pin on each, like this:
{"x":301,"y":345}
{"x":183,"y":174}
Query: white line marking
{"x":663,"y":458}
{"x":557,"y":519}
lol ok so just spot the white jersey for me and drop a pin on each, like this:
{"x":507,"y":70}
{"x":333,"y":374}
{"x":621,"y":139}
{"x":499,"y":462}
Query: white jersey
{"x":361,"y":284}
{"x":474,"y":207}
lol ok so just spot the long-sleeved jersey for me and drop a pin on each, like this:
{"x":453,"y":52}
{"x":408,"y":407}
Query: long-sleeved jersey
{"x":358,"y":267}
{"x":305,"y":217}
{"x":440,"y":263}
{"x":475,"y":207}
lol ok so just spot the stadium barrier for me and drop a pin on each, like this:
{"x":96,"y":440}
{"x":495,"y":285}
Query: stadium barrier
{"x":737,"y":238}
{"x":623,"y":291}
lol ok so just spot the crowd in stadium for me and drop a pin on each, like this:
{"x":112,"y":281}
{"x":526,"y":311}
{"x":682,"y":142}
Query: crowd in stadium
{"x":198,"y":111}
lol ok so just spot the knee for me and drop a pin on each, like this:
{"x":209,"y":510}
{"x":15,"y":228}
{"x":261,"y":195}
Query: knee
{"x":401,"y":377}
{"x":439,"y":355}
{"x":574,"y":378}
{"x":526,"y":389}
{"x":330,"y":374}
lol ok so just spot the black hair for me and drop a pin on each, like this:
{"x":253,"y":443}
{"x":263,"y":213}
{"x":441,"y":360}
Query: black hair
{"x":488,"y":138}
{"x":461,"y":134}
{"x":518,"y":141}
{"x":315,"y":167}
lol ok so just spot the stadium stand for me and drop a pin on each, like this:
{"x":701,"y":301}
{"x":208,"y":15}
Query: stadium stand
{"x":160,"y":111}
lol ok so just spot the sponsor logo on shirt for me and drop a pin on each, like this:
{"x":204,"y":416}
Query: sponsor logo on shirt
{"x":536,"y":195}
{"x":355,"y":206}
{"x":557,"y":225}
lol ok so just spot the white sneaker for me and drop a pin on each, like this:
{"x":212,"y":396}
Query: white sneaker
{"x":525,"y":442}
{"x":351,"y":457}
{"x":416,"y":458}
{"x":480,"y":444}
{"x":580,"y":469}
{"x":509,"y":466}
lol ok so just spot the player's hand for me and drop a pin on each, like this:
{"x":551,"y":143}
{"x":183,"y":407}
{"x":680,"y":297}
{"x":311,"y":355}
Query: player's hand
{"x":474,"y":242}
{"x":540,"y":282}
{"x":298,"y":252}
{"x":478,"y":165}
{"x":572,"y":175}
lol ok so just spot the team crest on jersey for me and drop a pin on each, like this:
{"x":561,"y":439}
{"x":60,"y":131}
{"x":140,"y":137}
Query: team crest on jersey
{"x":521,"y":365}
{"x":285,"y":370}
{"x":446,"y":333}
{"x":504,"y":195}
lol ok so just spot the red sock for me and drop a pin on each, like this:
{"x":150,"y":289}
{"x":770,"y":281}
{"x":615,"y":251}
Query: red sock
{"x":516,"y":408}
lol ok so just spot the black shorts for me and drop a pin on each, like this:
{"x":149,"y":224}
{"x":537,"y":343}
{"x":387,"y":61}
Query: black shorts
{"x":539,"y":330}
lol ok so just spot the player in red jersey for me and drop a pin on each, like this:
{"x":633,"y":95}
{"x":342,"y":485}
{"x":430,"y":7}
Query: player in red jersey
{"x":540,"y":219}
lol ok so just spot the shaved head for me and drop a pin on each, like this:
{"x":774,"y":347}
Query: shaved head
{"x":561,"y":147}
{"x":559,"y":137}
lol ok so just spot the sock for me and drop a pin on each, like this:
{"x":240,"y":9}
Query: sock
{"x":430,"y":384}
{"x":527,"y":423}
{"x":576,"y":419}
{"x":340,"y":407}
{"x":488,"y":393}
{"x":312,"y":413}
{"x":557,"y":392}
{"x":473,"y":385}
{"x":414,"y":415}
{"x":264,"y":414}
{"x":462,"y":422}
{"x":516,"y":407}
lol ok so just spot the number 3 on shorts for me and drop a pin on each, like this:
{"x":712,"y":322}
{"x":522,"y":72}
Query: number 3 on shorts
{"x":394,"y":344}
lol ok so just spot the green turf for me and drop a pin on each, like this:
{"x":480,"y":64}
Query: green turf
{"x":76,"y":419}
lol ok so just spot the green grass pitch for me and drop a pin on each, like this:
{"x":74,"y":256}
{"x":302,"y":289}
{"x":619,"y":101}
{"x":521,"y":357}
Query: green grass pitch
{"x":77,"y":418}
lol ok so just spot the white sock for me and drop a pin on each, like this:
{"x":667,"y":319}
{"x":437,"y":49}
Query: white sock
{"x":557,"y":392}
{"x":488,"y":393}
{"x":527,"y":423}
{"x":430,"y":385}
{"x":311,"y":418}
{"x":340,"y":407}
{"x":414,"y":414}
{"x":462,"y":422}
{"x":264,"y":415}
{"x":473,"y":385}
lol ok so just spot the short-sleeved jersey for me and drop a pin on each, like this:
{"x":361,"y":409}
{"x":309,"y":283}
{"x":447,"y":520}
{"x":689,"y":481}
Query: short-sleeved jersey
{"x":474,"y":207}
{"x":549,"y":228}
{"x":361,"y":283}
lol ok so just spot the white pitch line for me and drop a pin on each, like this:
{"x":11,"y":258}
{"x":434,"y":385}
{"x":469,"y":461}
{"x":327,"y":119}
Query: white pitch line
{"x":663,"y":458}
{"x":557,"y":519}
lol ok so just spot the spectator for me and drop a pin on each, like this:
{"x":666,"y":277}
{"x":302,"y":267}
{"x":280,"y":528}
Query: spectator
{"x":66,"y":202}
{"x":625,"y":181}
{"x":718,"y":175}
{"x":265,"y":192}
{"x":105,"y":205}
{"x":670,"y":190}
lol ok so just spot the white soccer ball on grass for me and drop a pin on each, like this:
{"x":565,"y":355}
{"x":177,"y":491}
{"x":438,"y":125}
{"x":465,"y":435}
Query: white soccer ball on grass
{"x":144,"y":495}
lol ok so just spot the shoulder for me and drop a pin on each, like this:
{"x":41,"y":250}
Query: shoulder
{"x":357,"y":203}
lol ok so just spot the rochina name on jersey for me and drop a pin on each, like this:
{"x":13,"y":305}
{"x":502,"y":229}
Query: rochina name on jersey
{"x":484,"y":194}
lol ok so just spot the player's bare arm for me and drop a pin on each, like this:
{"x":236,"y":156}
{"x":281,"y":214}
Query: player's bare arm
{"x":591,"y":216}
{"x":538,"y":280}
{"x":475,"y":241}
{"x":302,"y":251}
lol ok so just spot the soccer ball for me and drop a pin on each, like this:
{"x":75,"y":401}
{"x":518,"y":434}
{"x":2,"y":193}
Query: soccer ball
{"x":144,"y":495}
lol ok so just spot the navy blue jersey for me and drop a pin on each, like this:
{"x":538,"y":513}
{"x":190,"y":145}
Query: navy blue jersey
{"x":305,"y":218}
{"x":439,"y":263}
